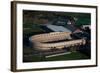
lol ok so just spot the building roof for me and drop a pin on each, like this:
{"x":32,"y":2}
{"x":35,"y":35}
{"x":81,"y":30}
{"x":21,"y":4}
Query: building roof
{"x":58,"y":28}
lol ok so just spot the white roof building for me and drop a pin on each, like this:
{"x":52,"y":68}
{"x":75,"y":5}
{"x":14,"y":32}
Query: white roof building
{"x":58,"y":28}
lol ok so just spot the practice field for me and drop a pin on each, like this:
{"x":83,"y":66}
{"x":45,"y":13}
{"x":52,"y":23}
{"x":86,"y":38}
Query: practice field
{"x":72,"y":56}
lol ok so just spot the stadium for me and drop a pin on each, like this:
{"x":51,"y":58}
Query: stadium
{"x":55,"y":40}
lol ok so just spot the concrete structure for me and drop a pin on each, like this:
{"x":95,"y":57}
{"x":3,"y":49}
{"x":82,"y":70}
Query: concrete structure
{"x":45,"y":42}
{"x":47,"y":37}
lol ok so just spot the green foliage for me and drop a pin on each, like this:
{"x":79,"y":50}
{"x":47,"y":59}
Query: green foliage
{"x":31,"y":28}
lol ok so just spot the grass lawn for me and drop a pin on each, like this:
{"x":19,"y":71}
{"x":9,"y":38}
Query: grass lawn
{"x":72,"y":56}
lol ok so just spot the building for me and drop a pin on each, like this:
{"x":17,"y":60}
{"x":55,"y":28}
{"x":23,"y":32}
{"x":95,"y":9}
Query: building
{"x":54,"y":40}
{"x":56,"y":28}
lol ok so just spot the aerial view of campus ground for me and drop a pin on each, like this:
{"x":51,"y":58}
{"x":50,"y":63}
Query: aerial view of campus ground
{"x":56,"y":36}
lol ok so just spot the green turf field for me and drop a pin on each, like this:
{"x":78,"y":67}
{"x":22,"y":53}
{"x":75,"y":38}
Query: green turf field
{"x":72,"y":56}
